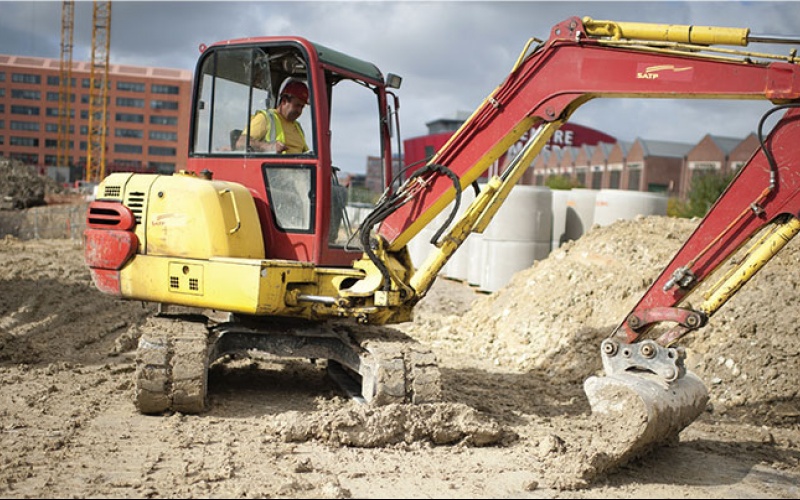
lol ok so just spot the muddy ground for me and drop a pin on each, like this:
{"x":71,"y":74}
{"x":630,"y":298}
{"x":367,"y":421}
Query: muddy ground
{"x":514,"y":421}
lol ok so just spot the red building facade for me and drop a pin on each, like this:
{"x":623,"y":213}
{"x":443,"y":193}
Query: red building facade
{"x":147,"y":115}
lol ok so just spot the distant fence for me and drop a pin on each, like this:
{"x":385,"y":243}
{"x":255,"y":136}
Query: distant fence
{"x":45,"y":222}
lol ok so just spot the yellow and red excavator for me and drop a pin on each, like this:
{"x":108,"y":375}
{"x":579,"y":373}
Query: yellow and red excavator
{"x":250,"y":251}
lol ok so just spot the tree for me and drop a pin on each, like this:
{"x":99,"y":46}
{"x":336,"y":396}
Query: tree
{"x":561,"y":182}
{"x":706,"y":188}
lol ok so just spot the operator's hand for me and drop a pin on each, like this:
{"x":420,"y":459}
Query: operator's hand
{"x":267,"y":147}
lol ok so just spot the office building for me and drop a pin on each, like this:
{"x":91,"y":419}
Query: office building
{"x":147,"y":116}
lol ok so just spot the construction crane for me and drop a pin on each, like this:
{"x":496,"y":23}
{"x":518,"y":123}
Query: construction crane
{"x":98,"y":89}
{"x":65,"y":84}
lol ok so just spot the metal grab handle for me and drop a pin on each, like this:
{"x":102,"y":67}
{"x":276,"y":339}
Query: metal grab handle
{"x":235,"y":210}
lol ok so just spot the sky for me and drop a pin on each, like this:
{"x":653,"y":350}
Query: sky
{"x":451,"y":54}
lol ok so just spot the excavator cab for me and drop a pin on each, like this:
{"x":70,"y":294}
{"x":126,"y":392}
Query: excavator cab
{"x":299,"y":194}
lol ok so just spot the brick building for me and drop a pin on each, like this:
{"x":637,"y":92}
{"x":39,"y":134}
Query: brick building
{"x":147,"y":116}
{"x":596,"y":160}
{"x":718,"y":154}
{"x":655,"y":166}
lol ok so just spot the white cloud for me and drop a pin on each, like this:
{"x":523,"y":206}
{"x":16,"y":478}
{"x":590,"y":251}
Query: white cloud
{"x":451,"y":54}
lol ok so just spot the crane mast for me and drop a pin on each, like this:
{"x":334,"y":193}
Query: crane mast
{"x":65,"y":83}
{"x":98,"y":88}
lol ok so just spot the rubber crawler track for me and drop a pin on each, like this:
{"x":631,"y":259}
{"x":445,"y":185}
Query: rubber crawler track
{"x":172,"y":366}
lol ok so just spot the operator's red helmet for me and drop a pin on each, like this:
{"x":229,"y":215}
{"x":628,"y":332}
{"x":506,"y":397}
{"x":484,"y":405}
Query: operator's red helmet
{"x":296,"y":89}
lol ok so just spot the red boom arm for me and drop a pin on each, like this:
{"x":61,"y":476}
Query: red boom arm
{"x":559,"y":76}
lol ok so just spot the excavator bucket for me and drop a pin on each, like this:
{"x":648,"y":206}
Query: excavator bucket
{"x":645,"y":399}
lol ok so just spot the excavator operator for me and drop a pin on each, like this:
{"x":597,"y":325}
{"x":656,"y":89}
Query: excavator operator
{"x":277,"y":130}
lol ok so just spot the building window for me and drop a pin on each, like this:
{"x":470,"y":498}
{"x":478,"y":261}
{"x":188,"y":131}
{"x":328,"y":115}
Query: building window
{"x":129,"y":118}
{"x":163,"y":120}
{"x":55,"y":112}
{"x":613,"y":179}
{"x":156,"y":104}
{"x":161,"y":151}
{"x":128,"y":133}
{"x":129,"y":102}
{"x":2,"y":76}
{"x":130,"y":86}
{"x":56,"y":81}
{"x":33,"y":95}
{"x":26,"y":78}
{"x":24,"y":110}
{"x":2,"y":92}
{"x":657,"y":188}
{"x":159,"y":135}
{"x":26,"y":158}
{"x":634,"y":178}
{"x":597,"y":179}
{"x":53,"y":143}
{"x":134,"y":164}
{"x":128,"y":148}
{"x":634,"y":175}
{"x":30,"y":142}
{"x":29,"y":126}
{"x":580,"y":176}
{"x":164,"y":89}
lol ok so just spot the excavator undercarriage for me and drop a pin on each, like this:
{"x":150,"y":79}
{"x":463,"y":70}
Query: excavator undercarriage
{"x":376,"y":365}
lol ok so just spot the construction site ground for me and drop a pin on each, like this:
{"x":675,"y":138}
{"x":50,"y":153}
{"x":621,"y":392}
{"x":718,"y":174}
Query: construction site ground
{"x":514,"y":421}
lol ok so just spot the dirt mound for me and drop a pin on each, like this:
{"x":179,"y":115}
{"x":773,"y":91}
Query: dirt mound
{"x":552,"y":317}
{"x":22,"y":187}
{"x":514,"y":416}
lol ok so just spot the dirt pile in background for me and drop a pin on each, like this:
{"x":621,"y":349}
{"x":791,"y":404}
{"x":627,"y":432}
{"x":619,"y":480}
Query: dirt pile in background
{"x":22,"y":187}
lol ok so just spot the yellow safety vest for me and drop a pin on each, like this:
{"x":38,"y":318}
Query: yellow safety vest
{"x":276,"y":127}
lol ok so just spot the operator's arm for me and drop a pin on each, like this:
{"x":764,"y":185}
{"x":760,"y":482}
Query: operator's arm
{"x":259,"y":131}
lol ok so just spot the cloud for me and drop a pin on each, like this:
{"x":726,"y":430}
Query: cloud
{"x":451,"y":54}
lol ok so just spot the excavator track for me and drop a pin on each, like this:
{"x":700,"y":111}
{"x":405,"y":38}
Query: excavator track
{"x":172,"y":365}
{"x":398,"y":372}
{"x":376,"y":365}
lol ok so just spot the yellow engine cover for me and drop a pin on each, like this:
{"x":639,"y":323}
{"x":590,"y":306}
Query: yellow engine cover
{"x":187,"y":216}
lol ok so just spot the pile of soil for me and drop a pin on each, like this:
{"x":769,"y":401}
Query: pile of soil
{"x":514,"y":421}
{"x":22,"y":187}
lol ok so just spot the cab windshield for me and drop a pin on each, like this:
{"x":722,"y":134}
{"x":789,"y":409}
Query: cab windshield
{"x":237,"y":84}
